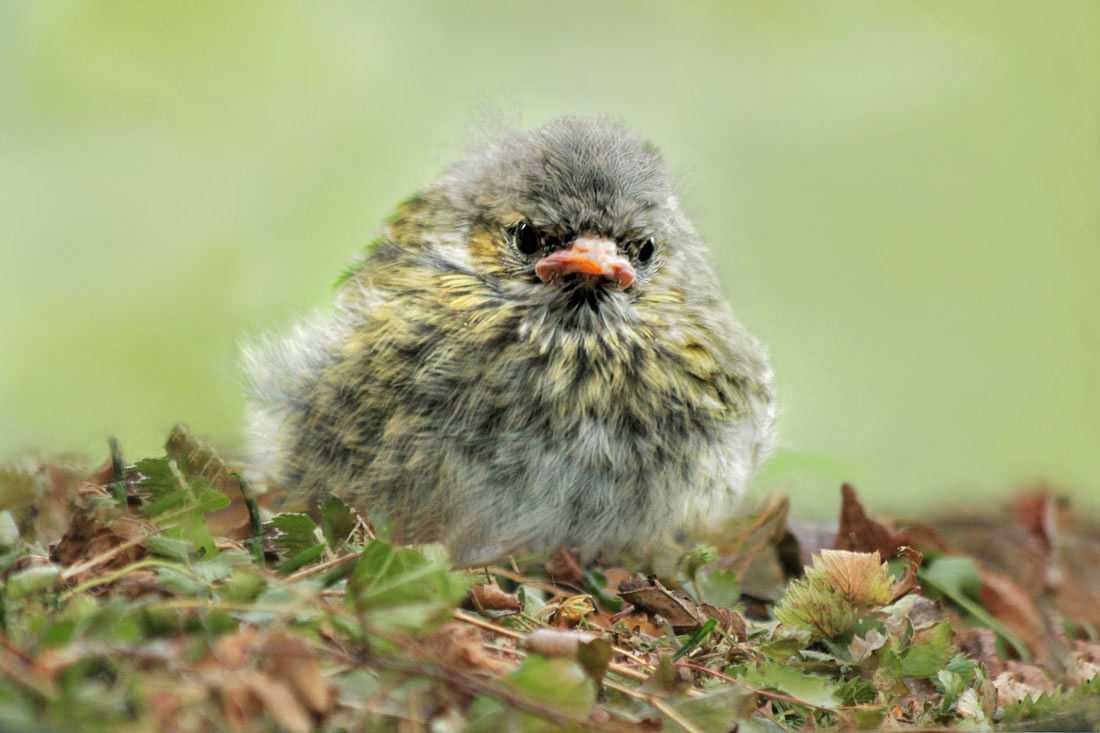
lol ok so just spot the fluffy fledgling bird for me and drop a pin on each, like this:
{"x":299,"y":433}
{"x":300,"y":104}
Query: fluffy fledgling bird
{"x":536,"y":353}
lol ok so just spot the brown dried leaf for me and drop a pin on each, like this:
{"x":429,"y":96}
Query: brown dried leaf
{"x":231,"y":650}
{"x":461,"y":646}
{"x":981,"y":644}
{"x":279,"y":702}
{"x":676,"y":607}
{"x":489,"y":597}
{"x":1021,"y":681}
{"x":908,"y":581}
{"x":563,"y":568}
{"x":861,"y":577}
{"x":1083,"y":663}
{"x":860,"y":533}
{"x":729,"y":620}
{"x":570,"y":611}
{"x":1015,"y":609}
{"x":291,"y":660}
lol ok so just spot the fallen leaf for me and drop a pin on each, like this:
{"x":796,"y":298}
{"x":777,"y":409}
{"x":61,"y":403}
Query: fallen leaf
{"x":291,"y":660}
{"x":563,"y":568}
{"x":860,"y":533}
{"x":489,"y":597}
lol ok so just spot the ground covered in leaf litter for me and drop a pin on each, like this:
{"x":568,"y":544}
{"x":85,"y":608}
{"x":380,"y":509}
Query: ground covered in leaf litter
{"x":155,"y":597}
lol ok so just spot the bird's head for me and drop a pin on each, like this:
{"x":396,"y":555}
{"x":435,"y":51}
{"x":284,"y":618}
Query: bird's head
{"x":574,"y":215}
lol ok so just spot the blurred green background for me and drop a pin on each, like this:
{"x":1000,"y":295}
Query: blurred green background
{"x":903,"y":198}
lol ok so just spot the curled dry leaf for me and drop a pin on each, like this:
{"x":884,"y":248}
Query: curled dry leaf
{"x":489,"y":597}
{"x":647,"y":593}
{"x":683,"y":614}
{"x":570,"y":611}
{"x":908,"y":581}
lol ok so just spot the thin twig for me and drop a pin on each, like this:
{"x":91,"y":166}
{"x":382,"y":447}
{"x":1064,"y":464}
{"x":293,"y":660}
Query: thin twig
{"x":314,"y":569}
{"x":750,"y":688}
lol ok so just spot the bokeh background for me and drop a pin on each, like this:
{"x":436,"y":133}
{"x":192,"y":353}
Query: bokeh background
{"x":903,"y":199}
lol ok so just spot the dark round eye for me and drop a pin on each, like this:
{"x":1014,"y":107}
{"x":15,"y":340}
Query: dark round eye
{"x":646,"y":251}
{"x":527,"y":239}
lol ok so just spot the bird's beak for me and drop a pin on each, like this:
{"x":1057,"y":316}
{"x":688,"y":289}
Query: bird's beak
{"x":589,"y":256}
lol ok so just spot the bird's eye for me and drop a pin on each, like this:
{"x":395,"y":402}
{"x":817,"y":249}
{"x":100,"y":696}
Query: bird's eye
{"x":646,"y":251}
{"x":526,"y":238}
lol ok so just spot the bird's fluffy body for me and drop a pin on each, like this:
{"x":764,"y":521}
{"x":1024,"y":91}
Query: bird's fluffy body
{"x":491,"y":410}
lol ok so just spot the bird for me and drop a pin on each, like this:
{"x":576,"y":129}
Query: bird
{"x":535,"y":353}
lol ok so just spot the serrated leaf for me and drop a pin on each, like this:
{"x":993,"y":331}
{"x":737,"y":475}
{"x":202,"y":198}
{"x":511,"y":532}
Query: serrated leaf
{"x":399,"y":588}
{"x":861,"y":577}
{"x":820,"y":609}
{"x":196,"y":458}
{"x":337,"y":520}
{"x":294,"y":533}
{"x":807,"y":687}
{"x":856,"y":691}
{"x":158,"y":477}
{"x":718,"y":711}
{"x":929,"y":652}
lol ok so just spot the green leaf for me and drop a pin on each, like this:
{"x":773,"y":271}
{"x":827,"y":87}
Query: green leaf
{"x":957,"y":578}
{"x":929,"y":652}
{"x":303,"y":558}
{"x":399,"y":588}
{"x":158,"y":477}
{"x":595,"y":657}
{"x":559,"y":684}
{"x":695,"y":639}
{"x":172,"y":548}
{"x":337,"y":520}
{"x":817,"y":608}
{"x":244,"y":585}
{"x":180,"y":583}
{"x":716,"y":711}
{"x":33,"y":580}
{"x":595,"y":582}
{"x":720,"y":587}
{"x":294,"y":533}
{"x":811,"y":688}
{"x":856,"y":691}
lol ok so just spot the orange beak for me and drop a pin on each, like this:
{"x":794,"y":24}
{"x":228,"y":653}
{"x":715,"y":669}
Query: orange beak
{"x":589,"y":256}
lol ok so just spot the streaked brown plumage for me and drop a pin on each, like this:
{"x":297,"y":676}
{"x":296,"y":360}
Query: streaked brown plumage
{"x":535,"y":353}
